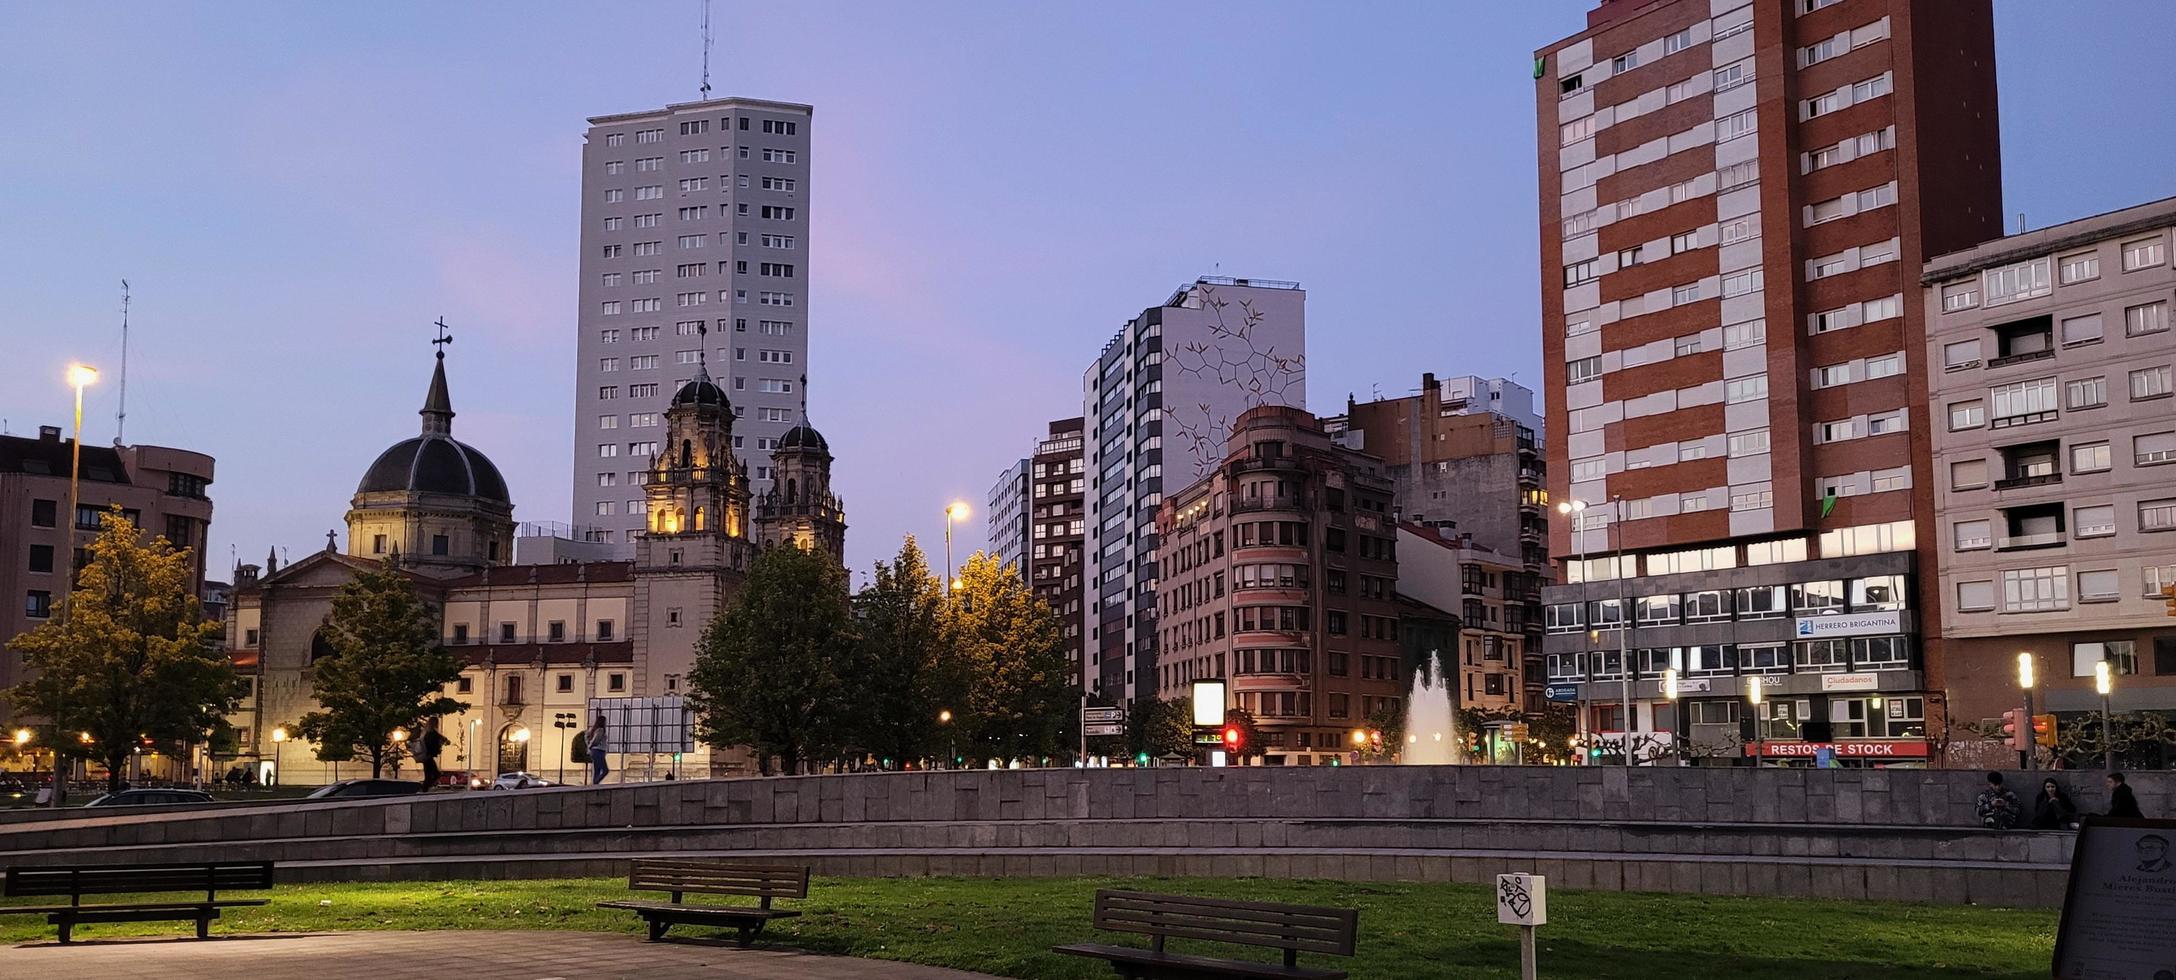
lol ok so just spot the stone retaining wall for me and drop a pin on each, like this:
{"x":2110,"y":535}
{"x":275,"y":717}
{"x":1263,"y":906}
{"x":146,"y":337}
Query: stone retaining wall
{"x":1877,"y":834}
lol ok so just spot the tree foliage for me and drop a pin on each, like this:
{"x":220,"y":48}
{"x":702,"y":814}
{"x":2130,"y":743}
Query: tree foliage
{"x":386,"y":669}
{"x":130,"y":656}
{"x":1022,"y":698}
{"x":776,"y":672}
{"x":910,"y":669}
{"x":1159,"y":729}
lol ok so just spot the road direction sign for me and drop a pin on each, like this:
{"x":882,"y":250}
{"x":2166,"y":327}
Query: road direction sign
{"x":1102,"y":715}
{"x":1094,"y":729}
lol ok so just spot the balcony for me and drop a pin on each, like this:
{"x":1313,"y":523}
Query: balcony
{"x":2032,"y":526}
{"x":1269,"y":682}
{"x":2037,"y":539}
{"x":2020,"y":357}
{"x":1253,"y":464}
{"x":2028,"y":480}
{"x":1246,"y":505}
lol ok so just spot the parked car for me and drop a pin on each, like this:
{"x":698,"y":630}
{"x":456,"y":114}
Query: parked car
{"x":356,"y":789}
{"x":519,"y":780}
{"x":458,"y":779}
{"x":151,"y":797}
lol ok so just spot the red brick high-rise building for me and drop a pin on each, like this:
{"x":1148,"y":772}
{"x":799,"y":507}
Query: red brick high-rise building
{"x":1736,"y":200}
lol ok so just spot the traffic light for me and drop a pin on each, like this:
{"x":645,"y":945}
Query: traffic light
{"x":1141,"y":760}
{"x":1231,"y":739}
{"x":2017,"y":729}
{"x":2043,"y":730}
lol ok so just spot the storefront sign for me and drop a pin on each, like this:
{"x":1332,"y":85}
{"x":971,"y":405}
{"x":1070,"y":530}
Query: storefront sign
{"x":1900,"y":749}
{"x":2121,"y":898}
{"x":1562,"y":692}
{"x":1692,"y":685}
{"x":1854,"y":624}
{"x":1850,"y":682}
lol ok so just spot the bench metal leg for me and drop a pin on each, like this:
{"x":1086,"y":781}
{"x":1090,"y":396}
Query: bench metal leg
{"x":747,"y":933}
{"x":203,"y":927}
{"x":658,"y":927}
{"x":67,"y":928}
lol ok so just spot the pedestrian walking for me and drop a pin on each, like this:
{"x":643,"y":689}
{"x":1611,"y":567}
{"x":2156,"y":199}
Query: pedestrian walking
{"x":426,"y":749}
{"x":2052,"y":809}
{"x":600,"y":743}
{"x":1997,"y":807}
{"x":2121,"y":801}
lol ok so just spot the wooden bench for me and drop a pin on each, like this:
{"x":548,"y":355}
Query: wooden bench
{"x":763,"y":881}
{"x":1292,"y":928}
{"x":77,"y":882}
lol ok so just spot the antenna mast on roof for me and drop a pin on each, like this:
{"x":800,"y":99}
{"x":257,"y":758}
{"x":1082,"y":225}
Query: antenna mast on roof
{"x":120,"y":427}
{"x":706,"y":50}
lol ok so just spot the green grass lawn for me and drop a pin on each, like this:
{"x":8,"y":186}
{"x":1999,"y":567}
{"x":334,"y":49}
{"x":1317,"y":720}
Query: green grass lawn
{"x":1407,"y":930}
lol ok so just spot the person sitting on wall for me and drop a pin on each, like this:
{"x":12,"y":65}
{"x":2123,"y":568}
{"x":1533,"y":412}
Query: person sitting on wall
{"x":2052,"y":809}
{"x":1997,"y":807}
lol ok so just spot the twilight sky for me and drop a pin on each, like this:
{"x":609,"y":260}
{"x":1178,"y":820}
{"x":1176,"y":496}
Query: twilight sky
{"x":297,"y":190}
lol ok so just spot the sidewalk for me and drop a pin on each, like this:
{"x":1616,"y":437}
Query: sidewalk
{"x":534,"y":955}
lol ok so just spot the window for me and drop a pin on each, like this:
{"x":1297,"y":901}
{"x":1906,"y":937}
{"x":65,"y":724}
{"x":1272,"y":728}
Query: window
{"x":1577,"y":129}
{"x":1821,"y":51}
{"x":1831,"y":375}
{"x":1819,"y":105}
{"x":1960,"y":296}
{"x":2092,"y":457}
{"x":1677,"y":42}
{"x":1624,"y":62}
{"x":2082,"y":329}
{"x":2145,"y":318}
{"x":2085,"y":658}
{"x":1877,"y":197}
{"x":2157,"y":515}
{"x":1745,"y":389}
{"x":1752,"y":442}
{"x":1976,"y":596}
{"x":1591,"y":468}
{"x":1748,"y":334}
{"x":2036,"y":589}
{"x":2095,"y":521}
{"x":1737,"y":175}
{"x":1872,"y":88}
{"x":1967,"y":474}
{"x":2085,"y":393}
{"x":1962,"y":354}
{"x":1732,"y":76}
{"x":1583,"y":369}
{"x":2143,"y":254}
{"x":2154,"y":448}
{"x":1741,"y":283}
{"x":2010,"y":283}
{"x":1966,"y":415}
{"x":1885,"y":366}
{"x":1687,"y":293}
{"x":2022,"y":402}
{"x":2150,"y":382}
{"x":2079,"y":267}
{"x":1732,"y":126}
{"x":1737,"y":230}
{"x":1581,"y":272}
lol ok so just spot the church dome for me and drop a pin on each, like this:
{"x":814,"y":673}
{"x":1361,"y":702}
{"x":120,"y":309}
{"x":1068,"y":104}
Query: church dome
{"x":804,"y":437}
{"x":435,"y":464}
{"x":701,"y":391}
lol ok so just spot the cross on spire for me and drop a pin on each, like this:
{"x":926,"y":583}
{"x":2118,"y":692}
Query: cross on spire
{"x":443,"y":338}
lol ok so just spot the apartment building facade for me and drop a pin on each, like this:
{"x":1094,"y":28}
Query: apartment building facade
{"x":164,"y":491}
{"x":695,"y":248}
{"x":2048,"y":358}
{"x":1279,"y":577}
{"x":1057,"y":485}
{"x":1005,"y":523}
{"x":1159,"y":402}
{"x":1736,"y":200}
{"x":1495,"y":601}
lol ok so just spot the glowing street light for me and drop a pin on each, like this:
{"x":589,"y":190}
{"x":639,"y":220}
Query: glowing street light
{"x":279,"y":739}
{"x":2025,"y":678}
{"x":1752,"y":696}
{"x":955,"y":511}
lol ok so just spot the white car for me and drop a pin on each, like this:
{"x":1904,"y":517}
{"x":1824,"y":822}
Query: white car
{"x":516,"y":780}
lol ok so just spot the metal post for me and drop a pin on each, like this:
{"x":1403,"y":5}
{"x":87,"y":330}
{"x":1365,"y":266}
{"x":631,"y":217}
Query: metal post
{"x":1083,"y":761}
{"x":1624,"y":631}
{"x":2032,"y":738}
{"x":1527,"y":965}
{"x":2107,"y":734}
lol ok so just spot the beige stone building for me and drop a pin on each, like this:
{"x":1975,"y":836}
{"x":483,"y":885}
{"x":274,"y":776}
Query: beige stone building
{"x":541,"y":642}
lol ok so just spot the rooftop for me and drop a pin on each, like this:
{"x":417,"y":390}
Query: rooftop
{"x":679,"y":107}
{"x":2151,"y":216}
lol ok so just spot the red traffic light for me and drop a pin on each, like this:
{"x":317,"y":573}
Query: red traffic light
{"x":1231,"y":738}
{"x":2017,"y":729}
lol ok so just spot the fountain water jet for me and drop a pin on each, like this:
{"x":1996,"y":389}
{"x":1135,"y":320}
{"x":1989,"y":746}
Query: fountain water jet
{"x":1431,"y":717}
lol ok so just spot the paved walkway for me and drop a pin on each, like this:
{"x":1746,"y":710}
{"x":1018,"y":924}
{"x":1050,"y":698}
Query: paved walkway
{"x":469,"y":955}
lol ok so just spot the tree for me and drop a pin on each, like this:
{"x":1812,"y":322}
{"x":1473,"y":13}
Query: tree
{"x":385,"y":669}
{"x":911,"y":671}
{"x":1159,"y":729}
{"x":1250,"y":734}
{"x":130,"y":657}
{"x":775,"y":672}
{"x":1021,"y":689}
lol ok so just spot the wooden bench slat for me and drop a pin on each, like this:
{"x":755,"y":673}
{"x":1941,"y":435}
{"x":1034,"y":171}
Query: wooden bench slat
{"x":1295,"y":927}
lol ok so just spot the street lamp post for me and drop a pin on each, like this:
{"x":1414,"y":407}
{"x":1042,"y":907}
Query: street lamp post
{"x":956,"y":511}
{"x":1677,"y":714}
{"x":80,"y":376}
{"x":951,"y":740}
{"x":279,"y":738}
{"x":2104,"y":681}
{"x":400,"y":741}
{"x":2024,"y":683}
{"x":1571,"y":510}
{"x":1624,"y":629}
{"x":1752,"y":696}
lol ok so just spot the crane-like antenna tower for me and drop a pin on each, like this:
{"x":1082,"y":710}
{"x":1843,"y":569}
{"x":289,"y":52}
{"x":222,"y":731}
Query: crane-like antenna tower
{"x":706,"y":50}
{"x":120,"y":427}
